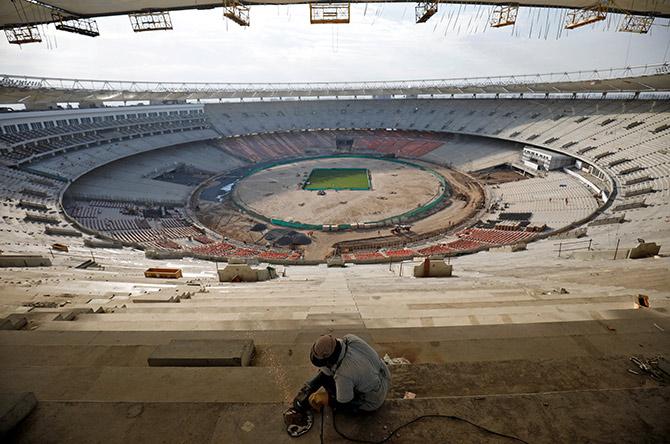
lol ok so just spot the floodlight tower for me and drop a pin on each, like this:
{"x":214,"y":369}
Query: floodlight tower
{"x":329,"y":13}
{"x":82,"y":26}
{"x":425,"y":10}
{"x":151,"y":21}
{"x":23,"y":34}
{"x":640,"y":24}
{"x":236,"y":11}
{"x":588,"y":15}
{"x":504,"y":15}
{"x":63,"y":19}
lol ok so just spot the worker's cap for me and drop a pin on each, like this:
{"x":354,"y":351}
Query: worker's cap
{"x":325,"y":351}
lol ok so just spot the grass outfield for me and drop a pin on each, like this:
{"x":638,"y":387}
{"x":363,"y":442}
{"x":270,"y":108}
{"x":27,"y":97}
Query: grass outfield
{"x":338,"y":179}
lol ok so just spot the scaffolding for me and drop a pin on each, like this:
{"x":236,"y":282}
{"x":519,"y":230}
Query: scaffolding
{"x":329,"y":13}
{"x":151,"y":21}
{"x":236,"y":11}
{"x":23,"y":34}
{"x":586,"y":16}
{"x":640,"y":24}
{"x":504,"y":15}
{"x":425,"y":10}
{"x":83,"y":26}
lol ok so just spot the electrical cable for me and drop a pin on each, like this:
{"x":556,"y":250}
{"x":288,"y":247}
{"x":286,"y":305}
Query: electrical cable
{"x":417,"y":419}
{"x":321,"y":431}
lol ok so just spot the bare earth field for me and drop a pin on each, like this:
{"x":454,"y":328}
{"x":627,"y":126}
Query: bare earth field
{"x":396,"y":189}
{"x":226,"y":219}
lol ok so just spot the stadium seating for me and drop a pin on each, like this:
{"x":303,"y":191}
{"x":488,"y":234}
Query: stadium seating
{"x":30,"y":145}
{"x":626,"y":139}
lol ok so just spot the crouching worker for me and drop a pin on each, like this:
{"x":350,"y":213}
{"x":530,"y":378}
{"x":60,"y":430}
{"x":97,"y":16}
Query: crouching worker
{"x":352,"y":374}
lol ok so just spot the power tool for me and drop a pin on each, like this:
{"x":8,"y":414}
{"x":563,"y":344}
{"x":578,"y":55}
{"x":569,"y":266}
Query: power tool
{"x":299,"y":417}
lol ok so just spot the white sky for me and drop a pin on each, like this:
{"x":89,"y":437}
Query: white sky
{"x":381,"y":43}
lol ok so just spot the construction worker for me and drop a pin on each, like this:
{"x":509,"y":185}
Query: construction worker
{"x":351,"y":373}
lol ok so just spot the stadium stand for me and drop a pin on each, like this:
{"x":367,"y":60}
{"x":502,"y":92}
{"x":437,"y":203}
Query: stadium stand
{"x":446,"y":132}
{"x":45,"y":134}
{"x":570,"y":325}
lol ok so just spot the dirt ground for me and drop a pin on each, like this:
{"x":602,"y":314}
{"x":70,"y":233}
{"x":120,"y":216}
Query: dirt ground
{"x":276,"y":192}
{"x":499,"y":176}
{"x":467,"y":196}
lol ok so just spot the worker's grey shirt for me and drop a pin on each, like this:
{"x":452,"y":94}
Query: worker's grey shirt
{"x":360,"y":374}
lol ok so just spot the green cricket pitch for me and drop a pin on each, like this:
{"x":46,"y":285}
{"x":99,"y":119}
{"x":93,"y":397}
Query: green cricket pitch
{"x":338,"y":179}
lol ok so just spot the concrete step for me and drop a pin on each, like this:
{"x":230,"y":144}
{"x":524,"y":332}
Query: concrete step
{"x":366,"y":312}
{"x":633,"y":415}
{"x":504,"y":318}
{"x":209,"y":309}
{"x":641,"y":321}
{"x":14,"y":407}
{"x":279,"y":384}
{"x":79,"y":349}
{"x":240,"y":325}
{"x":197,"y":304}
{"x":297,"y":320}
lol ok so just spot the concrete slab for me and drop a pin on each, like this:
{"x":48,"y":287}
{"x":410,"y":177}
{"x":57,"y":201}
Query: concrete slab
{"x":14,"y":407}
{"x":203,"y":353}
{"x":155,"y":298}
{"x":632,"y":415}
{"x":71,"y":315}
{"x":13,"y":322}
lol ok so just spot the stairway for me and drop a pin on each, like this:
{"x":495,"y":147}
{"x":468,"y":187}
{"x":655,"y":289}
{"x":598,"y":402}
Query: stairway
{"x":543,"y":382}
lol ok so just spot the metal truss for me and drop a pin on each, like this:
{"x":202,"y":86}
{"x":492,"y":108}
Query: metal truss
{"x":32,"y":11}
{"x":504,"y":15}
{"x":639,"y":24}
{"x":236,"y":12}
{"x":425,"y":10}
{"x":329,"y":13}
{"x":23,"y":34}
{"x":588,"y":15}
{"x":83,"y":26}
{"x":645,"y":78}
{"x":151,"y":21}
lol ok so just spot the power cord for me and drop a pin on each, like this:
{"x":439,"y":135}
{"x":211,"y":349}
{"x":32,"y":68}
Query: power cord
{"x":417,"y":419}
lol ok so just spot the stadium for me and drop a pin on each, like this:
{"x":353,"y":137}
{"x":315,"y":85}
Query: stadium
{"x":167,"y":262}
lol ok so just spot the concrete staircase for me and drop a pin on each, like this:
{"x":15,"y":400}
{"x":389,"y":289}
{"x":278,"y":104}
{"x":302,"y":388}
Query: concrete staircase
{"x":361,"y":297}
{"x":543,"y":382}
{"x":507,"y":349}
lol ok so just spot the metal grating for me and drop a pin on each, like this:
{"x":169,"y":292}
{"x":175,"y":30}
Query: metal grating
{"x":639,"y":24}
{"x":504,"y":15}
{"x":151,"y":21}
{"x":236,"y":12}
{"x":425,"y":10}
{"x":586,"y":16}
{"x":83,"y":26}
{"x":23,"y":34}
{"x":329,"y":13}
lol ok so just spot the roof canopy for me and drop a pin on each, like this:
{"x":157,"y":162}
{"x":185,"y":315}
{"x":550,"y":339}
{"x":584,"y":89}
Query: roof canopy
{"x":22,"y":12}
{"x":27,"y":89}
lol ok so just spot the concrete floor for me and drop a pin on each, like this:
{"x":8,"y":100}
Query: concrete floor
{"x":502,"y":346}
{"x":559,"y":382}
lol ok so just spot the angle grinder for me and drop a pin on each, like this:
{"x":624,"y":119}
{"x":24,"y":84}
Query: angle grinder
{"x":299,"y":417}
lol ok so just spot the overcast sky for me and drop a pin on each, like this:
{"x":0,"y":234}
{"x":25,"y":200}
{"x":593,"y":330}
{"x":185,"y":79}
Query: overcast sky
{"x":381,"y":43}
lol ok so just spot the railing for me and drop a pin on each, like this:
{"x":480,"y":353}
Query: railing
{"x":573,"y":246}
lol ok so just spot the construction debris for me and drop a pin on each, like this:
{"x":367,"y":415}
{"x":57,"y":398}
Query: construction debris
{"x":409,"y":395}
{"x":395,"y":361}
{"x":656,"y":368}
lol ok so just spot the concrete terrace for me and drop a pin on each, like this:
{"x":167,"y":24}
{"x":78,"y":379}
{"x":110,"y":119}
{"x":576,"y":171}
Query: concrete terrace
{"x":528,"y":344}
